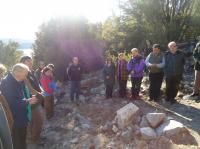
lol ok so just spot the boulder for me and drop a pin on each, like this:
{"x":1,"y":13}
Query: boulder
{"x":148,"y":133}
{"x":144,"y":122}
{"x":126,"y":114}
{"x":170,"y":128}
{"x":155,"y":119}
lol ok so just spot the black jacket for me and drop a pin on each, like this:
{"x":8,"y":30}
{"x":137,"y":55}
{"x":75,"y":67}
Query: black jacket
{"x":174,"y":63}
{"x":196,"y":56}
{"x":33,"y":81}
{"x":74,"y":72}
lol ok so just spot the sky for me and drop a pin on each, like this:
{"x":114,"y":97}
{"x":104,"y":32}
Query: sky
{"x":21,"y":18}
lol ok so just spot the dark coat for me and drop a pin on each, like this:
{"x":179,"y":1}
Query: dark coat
{"x":196,"y":55}
{"x":174,"y":63}
{"x":12,"y":90}
{"x":124,"y":71}
{"x":109,"y":71}
{"x":74,"y":72}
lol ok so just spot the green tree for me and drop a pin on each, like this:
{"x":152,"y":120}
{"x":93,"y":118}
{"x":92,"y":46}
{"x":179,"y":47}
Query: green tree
{"x":60,"y":39}
{"x":9,"y":55}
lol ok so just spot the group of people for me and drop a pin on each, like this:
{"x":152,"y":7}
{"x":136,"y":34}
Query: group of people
{"x":24,"y":93}
{"x":169,"y":64}
{"x":27,"y":96}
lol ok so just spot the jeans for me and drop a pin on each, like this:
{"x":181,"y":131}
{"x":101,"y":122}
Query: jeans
{"x":75,"y":89}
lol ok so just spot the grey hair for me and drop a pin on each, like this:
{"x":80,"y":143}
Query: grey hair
{"x":171,"y":43}
{"x":135,"y":49}
{"x":20,"y":67}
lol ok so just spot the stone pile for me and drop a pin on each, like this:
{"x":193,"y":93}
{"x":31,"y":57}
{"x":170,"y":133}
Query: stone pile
{"x":144,"y":131}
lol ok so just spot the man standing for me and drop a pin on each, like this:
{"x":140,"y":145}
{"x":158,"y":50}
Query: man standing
{"x":12,"y":89}
{"x":39,"y":70}
{"x":155,"y":63}
{"x":196,"y":56}
{"x":34,"y":88}
{"x":74,"y":74}
{"x":174,"y":66}
{"x":122,"y":75}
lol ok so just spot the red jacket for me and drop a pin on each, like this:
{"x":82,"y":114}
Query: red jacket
{"x":45,"y":82}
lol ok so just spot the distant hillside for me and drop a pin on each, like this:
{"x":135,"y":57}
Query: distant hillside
{"x":24,"y":44}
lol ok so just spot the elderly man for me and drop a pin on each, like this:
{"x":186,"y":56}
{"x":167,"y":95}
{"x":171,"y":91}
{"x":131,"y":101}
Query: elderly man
{"x":174,"y":66}
{"x":34,"y":87}
{"x":12,"y":89}
{"x":155,"y":63}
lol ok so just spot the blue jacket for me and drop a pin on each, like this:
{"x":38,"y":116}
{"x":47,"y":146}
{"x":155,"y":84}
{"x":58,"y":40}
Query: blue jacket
{"x":13,"y":92}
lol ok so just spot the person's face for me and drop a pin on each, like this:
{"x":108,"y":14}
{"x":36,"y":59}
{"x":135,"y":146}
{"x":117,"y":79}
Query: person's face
{"x":156,"y":50}
{"x":21,"y":75}
{"x":121,"y":57}
{"x":173,"y":48}
{"x":48,"y":73}
{"x":134,"y":53}
{"x":75,"y":61}
{"x":29,"y":63}
{"x":41,"y":65}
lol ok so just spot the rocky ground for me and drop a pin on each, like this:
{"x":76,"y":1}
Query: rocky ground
{"x":99,"y":123}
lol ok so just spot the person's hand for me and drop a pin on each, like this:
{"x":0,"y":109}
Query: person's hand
{"x":107,"y":77}
{"x":153,"y":65}
{"x":33,"y":100}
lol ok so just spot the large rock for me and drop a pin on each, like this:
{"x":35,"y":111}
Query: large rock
{"x":126,"y":114}
{"x":170,"y":128}
{"x":155,"y":119}
{"x":148,"y":133}
{"x":144,"y":122}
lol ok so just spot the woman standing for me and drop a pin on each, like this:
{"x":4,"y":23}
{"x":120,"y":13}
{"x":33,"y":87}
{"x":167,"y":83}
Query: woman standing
{"x":136,"y":67}
{"x":109,"y":77}
{"x":122,"y":75}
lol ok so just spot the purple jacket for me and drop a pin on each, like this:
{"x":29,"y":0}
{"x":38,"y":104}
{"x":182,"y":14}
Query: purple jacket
{"x":136,"y":64}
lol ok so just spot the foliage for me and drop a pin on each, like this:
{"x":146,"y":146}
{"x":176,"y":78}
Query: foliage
{"x":60,"y":39}
{"x":9,"y":55}
{"x":151,"y":21}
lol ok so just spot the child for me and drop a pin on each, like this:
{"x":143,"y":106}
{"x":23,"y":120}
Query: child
{"x":136,"y":67}
{"x":46,"y":83}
